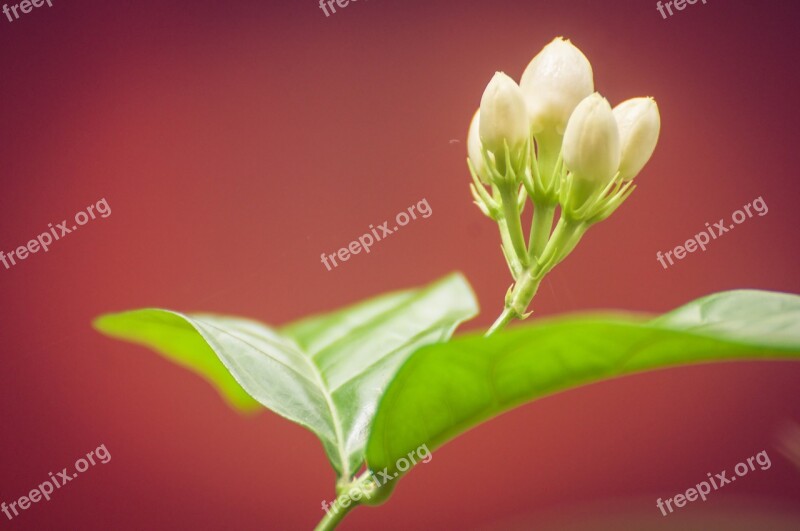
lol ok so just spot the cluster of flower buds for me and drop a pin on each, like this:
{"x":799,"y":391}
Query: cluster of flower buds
{"x":554,"y":140}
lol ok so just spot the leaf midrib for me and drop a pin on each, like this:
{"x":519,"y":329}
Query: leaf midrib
{"x":320,"y":384}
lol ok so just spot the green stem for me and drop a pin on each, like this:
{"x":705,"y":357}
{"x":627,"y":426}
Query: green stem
{"x":549,"y":150}
{"x":513,"y":223}
{"x":541,"y":226}
{"x":565,"y":237}
{"x":524,"y":291}
{"x":334,"y":517}
{"x":511,"y":257}
{"x":520,"y":298}
{"x":563,"y":240}
{"x":501,"y":322}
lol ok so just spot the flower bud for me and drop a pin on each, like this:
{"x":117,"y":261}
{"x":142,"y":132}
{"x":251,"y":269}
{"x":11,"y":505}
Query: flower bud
{"x":591,"y":142}
{"x":503,"y":115}
{"x":474,"y":147}
{"x":639,"y":125}
{"x":553,"y":84}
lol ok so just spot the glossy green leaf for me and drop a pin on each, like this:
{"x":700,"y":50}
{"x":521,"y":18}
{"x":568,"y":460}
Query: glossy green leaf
{"x":444,"y":390}
{"x":325,"y":373}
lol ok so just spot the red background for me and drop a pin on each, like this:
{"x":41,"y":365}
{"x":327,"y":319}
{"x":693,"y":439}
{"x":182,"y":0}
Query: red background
{"x":237,"y":141}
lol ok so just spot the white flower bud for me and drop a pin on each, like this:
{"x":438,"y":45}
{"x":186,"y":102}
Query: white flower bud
{"x":591,"y":141}
{"x":554,"y":82}
{"x":503,"y":115}
{"x":474,"y":147}
{"x":639,"y":125}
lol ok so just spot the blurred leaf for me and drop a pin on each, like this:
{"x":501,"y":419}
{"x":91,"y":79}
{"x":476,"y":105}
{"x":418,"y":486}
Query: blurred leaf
{"x":325,"y":373}
{"x":444,"y":390}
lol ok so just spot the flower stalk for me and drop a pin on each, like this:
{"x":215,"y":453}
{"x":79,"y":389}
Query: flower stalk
{"x":332,"y":519}
{"x":556,"y":142}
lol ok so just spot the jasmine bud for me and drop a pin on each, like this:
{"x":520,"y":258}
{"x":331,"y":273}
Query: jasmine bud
{"x":554,"y":82}
{"x":591,"y":141}
{"x":639,"y":124}
{"x":474,"y":148}
{"x":503,"y":117}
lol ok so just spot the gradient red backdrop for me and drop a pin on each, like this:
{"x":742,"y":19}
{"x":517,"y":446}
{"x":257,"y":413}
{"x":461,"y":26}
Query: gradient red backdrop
{"x":237,"y":141}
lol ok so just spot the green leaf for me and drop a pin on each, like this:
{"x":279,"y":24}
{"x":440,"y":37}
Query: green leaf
{"x":172,"y":335}
{"x":325,"y":373}
{"x":445,"y":390}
